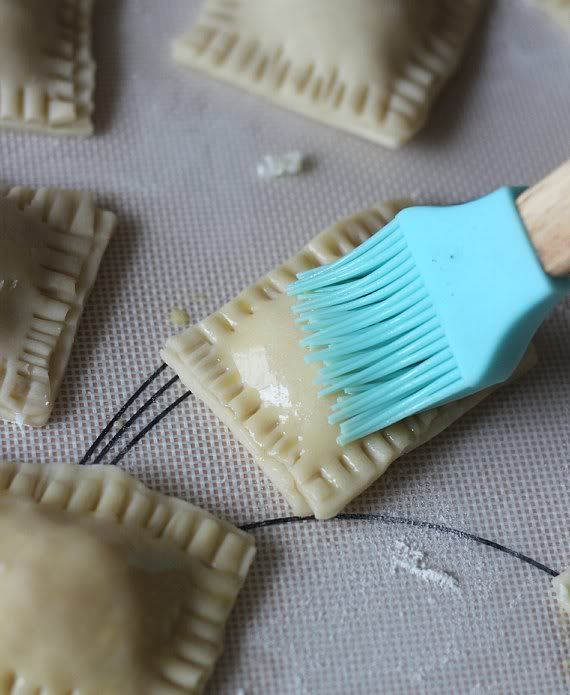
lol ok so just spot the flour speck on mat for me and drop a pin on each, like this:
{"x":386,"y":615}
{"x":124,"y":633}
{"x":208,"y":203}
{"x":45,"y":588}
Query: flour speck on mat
{"x":414,"y":562}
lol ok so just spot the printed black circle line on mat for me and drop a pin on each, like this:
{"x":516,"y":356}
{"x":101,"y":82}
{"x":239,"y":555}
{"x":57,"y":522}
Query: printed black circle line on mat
{"x":143,"y":387}
{"x":149,"y":427}
{"x":124,"y":428}
{"x":382,"y":518}
{"x":146,"y":405}
{"x":404,"y":521}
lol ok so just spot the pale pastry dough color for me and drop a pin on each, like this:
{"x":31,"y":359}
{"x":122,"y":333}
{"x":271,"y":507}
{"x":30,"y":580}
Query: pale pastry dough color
{"x":246,"y":363}
{"x":561,"y":585}
{"x":47,"y":74}
{"x":371,"y":67}
{"x":108,"y":588}
{"x":51,"y":245}
{"x":559,"y":10}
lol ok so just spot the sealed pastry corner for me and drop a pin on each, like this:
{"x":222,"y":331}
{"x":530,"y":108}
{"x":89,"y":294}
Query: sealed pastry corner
{"x":47,"y":74}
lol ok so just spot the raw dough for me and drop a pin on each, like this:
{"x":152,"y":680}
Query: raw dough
{"x":246,"y":363}
{"x":274,"y":166}
{"x":51,"y":244}
{"x":179,"y":316}
{"x":561,"y":585}
{"x":372,"y":67}
{"x":109,"y":588}
{"x":46,"y":71}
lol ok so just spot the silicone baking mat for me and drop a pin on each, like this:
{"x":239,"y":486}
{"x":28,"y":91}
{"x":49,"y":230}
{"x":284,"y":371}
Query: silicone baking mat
{"x":383,"y":604}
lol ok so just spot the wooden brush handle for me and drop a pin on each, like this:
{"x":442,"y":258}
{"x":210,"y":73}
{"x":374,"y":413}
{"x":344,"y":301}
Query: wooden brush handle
{"x":545,"y":210}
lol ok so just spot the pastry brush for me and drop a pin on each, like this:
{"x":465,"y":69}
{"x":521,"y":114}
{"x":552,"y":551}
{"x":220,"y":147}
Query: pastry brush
{"x":440,"y":303}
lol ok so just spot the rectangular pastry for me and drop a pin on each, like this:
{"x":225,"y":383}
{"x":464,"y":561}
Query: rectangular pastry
{"x":108,"y":588}
{"x":51,"y":245}
{"x":245,"y":362}
{"x":370,"y":67}
{"x":47,"y":74}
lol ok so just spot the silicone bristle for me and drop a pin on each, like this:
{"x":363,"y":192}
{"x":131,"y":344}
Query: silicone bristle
{"x":372,"y":324}
{"x":350,"y":264}
{"x":361,"y":425}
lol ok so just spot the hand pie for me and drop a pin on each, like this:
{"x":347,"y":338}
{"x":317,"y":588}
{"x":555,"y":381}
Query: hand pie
{"x":107,"y":588}
{"x":46,"y":72}
{"x":246,"y":363}
{"x":51,"y":245}
{"x":371,"y":67}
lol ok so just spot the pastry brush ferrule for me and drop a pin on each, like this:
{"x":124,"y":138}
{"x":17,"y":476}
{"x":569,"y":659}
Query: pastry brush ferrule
{"x":441,"y":303}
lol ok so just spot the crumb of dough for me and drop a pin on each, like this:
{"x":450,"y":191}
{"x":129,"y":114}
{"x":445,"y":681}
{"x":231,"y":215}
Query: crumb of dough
{"x":179,"y":316}
{"x":274,"y":166}
{"x":561,"y":585}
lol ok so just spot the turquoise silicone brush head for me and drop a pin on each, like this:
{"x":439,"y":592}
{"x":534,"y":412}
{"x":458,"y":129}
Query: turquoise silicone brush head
{"x":440,"y":303}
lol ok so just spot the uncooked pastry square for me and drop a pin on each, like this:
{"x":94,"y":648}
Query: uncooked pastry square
{"x":51,"y":245}
{"x":109,"y":588}
{"x":371,"y":67}
{"x":47,"y":74}
{"x":245,"y":362}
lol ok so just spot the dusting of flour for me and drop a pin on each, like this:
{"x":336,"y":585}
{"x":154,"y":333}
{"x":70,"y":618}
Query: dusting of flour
{"x":414,"y":562}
